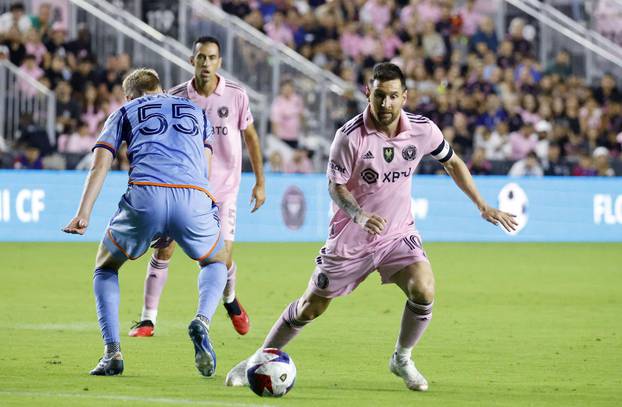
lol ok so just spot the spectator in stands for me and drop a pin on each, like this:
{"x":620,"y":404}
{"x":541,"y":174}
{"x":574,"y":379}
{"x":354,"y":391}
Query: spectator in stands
{"x":13,"y":42}
{"x":33,"y":135}
{"x":543,"y":131}
{"x":55,"y":43}
{"x":278,"y":31}
{"x":528,"y":166}
{"x":84,"y":74}
{"x":471,"y":18}
{"x":478,"y":164}
{"x":42,"y":21}
{"x":275,"y":163}
{"x":28,"y":159}
{"x":78,"y":142}
{"x":376,"y":13}
{"x":585,"y":166}
{"x":67,"y":109}
{"x":607,"y":92}
{"x":16,"y":17}
{"x":555,"y":164}
{"x":299,"y":163}
{"x":561,"y":66}
{"x":35,"y":47}
{"x":58,"y":71}
{"x":31,"y":68}
{"x":522,"y":142}
{"x":286,"y":115}
{"x":80,"y":47}
{"x":238,"y":8}
{"x":92,"y":114}
{"x":486,"y":36}
{"x":601,"y":162}
{"x":495,"y":143}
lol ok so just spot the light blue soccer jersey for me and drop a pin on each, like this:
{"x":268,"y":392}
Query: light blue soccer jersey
{"x":166,"y":136}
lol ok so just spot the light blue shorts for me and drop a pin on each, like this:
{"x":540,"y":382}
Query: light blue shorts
{"x":147,"y":213}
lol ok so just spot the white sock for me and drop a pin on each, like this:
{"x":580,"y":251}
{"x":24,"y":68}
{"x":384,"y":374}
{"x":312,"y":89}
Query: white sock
{"x":150,"y":314}
{"x":229,"y":298}
{"x":402,"y":354}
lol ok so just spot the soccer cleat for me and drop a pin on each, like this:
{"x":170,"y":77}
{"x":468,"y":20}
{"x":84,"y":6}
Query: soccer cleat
{"x":142,"y":329}
{"x":109,"y":366}
{"x":407,"y":371}
{"x":204,"y":355}
{"x":238,"y":316}
{"x":237,"y":376}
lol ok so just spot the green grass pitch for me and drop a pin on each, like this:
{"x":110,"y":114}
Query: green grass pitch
{"x":514,"y":325}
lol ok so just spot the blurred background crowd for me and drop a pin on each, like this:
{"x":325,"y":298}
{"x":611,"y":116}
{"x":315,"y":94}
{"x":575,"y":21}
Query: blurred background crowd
{"x":502,"y":110}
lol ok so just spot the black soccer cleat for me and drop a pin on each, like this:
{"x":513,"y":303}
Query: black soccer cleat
{"x":109,"y":366}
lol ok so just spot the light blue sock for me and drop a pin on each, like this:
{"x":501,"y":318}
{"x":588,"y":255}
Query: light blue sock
{"x":106,"y":289}
{"x":212,"y":280}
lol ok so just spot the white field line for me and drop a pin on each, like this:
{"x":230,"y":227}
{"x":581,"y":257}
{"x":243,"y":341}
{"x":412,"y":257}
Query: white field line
{"x":111,"y":397}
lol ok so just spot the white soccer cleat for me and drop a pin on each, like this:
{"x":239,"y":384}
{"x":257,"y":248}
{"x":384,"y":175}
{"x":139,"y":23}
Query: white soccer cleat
{"x":407,"y":371}
{"x":237,"y":376}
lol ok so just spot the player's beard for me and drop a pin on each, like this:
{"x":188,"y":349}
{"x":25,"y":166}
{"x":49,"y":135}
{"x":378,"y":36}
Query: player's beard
{"x":386,"y":118}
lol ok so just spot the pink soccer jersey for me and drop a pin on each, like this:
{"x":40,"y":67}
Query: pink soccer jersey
{"x":378,"y":171}
{"x":228,"y":111}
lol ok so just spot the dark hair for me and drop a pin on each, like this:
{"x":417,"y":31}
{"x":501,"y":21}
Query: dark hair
{"x":386,"y":71}
{"x":19,"y":6}
{"x":206,"y":39}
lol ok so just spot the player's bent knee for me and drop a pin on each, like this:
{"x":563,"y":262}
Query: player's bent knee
{"x":421,"y":291}
{"x":105,"y":259}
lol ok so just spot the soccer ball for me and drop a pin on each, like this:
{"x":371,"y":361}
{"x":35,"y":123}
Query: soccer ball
{"x":271,"y":373}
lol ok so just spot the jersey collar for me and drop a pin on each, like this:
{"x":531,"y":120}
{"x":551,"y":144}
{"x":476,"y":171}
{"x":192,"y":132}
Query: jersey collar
{"x":220,"y":88}
{"x":404,"y":126}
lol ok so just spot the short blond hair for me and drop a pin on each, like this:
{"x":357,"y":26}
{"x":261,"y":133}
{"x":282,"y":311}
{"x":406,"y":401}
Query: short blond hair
{"x":139,"y":81}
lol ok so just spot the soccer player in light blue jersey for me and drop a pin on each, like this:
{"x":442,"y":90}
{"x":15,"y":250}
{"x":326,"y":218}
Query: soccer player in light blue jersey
{"x":168,"y":196}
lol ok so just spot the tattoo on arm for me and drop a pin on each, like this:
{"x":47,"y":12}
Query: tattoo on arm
{"x":345,"y":200}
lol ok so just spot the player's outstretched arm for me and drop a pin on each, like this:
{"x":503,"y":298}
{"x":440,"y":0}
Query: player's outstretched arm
{"x":251,"y":139}
{"x":97,"y":174}
{"x":458,"y":170}
{"x":373,"y":224}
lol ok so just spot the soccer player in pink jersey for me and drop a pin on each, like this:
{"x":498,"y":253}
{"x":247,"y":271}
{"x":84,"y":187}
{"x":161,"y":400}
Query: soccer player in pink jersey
{"x":227,"y":107}
{"x":372,"y":160}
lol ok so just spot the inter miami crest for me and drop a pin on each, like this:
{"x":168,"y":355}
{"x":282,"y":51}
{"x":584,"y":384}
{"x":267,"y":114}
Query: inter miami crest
{"x":409,"y":153}
{"x":223,"y":112}
{"x":388,"y":154}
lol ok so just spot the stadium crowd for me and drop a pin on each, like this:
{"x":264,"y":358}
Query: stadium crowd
{"x":499,"y":107}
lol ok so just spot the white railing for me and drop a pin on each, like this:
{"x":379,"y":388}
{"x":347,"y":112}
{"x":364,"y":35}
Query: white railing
{"x":559,"y":31}
{"x":19,"y":94}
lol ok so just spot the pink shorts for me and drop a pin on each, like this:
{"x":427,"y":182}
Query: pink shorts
{"x":336,"y":276}
{"x":227,"y":205}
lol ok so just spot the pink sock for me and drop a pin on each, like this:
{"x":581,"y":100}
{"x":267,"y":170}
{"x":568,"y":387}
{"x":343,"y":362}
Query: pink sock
{"x":415,"y":320}
{"x":228,"y":293}
{"x":285,"y":328}
{"x":157,"y":274}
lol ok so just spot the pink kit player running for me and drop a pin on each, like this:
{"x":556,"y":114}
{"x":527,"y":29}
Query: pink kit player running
{"x":227,"y":108}
{"x":372,"y":160}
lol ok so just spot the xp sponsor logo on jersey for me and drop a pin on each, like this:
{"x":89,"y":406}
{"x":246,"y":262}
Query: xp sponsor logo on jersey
{"x":293,"y":208}
{"x":393,"y":176}
{"x":409,"y":153}
{"x":223,"y":112}
{"x":370,"y":176}
{"x":388,"y":153}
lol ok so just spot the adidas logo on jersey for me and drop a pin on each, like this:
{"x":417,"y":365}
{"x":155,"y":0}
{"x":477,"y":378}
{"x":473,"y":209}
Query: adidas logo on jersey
{"x":368,"y":156}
